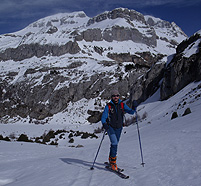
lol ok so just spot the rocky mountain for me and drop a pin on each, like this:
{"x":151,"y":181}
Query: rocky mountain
{"x":70,"y":58}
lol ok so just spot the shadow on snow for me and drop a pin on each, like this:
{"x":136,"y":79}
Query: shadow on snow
{"x":82,"y":163}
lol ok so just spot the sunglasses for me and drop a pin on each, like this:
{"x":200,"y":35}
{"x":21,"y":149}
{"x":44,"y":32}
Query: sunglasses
{"x":115,"y":96}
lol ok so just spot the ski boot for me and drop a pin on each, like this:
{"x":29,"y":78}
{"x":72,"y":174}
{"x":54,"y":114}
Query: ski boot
{"x":112,"y":161}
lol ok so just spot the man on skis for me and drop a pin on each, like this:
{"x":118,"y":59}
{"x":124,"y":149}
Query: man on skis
{"x":112,"y":120}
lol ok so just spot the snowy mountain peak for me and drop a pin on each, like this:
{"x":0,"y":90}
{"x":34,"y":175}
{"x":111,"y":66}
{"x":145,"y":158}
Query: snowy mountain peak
{"x":120,"y":24}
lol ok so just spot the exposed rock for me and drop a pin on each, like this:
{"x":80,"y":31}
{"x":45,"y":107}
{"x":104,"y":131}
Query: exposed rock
{"x":28,"y":51}
{"x":145,"y":59}
{"x":95,"y":116}
{"x":99,"y":50}
{"x":184,"y":44}
{"x":118,"y":13}
{"x":46,"y":99}
{"x":147,"y":85}
{"x":39,"y":43}
{"x":187,"y":111}
{"x":116,"y":33}
{"x":174,"y":115}
{"x":52,"y":30}
{"x":182,"y":70}
{"x":92,"y":35}
{"x":123,"y":34}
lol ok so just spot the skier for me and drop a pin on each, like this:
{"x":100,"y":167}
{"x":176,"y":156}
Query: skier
{"x":112,"y":120}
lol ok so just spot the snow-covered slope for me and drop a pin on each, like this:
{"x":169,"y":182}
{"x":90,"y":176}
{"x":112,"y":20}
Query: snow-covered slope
{"x":171,"y":150}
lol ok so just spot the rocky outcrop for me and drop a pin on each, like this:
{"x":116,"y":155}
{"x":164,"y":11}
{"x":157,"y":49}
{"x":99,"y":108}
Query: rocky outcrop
{"x":124,"y":34}
{"x":119,"y":33}
{"x":183,"y":69}
{"x":144,"y":59}
{"x":147,"y":85}
{"x":118,"y":13}
{"x":95,"y":116}
{"x":27,"y":51}
{"x":116,"y":33}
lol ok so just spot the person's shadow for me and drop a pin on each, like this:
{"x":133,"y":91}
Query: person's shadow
{"x":82,"y":163}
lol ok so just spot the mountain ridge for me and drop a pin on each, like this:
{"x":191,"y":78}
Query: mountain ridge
{"x":54,"y":29}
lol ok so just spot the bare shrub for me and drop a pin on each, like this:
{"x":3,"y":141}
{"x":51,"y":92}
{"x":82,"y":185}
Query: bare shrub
{"x":144,"y":116}
{"x":132,"y":120}
{"x":71,"y":140}
{"x":98,"y":130}
{"x":12,"y":136}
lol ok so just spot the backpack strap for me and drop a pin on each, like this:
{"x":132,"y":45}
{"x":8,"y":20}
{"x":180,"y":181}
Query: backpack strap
{"x":122,"y":106}
{"x":109,"y":106}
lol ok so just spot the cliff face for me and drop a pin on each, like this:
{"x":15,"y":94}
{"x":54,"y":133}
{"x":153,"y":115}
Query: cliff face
{"x":184,"y":68}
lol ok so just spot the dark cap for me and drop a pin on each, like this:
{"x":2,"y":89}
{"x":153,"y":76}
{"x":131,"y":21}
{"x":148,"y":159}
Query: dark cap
{"x":114,"y":92}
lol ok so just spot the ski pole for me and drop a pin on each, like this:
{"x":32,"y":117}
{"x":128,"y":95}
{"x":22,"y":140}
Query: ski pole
{"x":139,"y":140}
{"x":98,"y":150}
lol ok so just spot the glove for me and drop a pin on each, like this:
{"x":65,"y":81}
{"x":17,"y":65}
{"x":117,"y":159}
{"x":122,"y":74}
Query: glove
{"x":134,"y":105}
{"x":105,"y":126}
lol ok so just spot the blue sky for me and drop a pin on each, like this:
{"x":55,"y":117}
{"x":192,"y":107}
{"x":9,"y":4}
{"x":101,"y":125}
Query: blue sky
{"x":17,"y":14}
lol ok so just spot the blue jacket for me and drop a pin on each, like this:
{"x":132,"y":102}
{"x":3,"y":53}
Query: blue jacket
{"x":116,"y":118}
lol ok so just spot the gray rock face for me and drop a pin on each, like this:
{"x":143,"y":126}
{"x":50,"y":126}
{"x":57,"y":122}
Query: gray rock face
{"x":118,"y":13}
{"x":122,"y":34}
{"x":117,"y":33}
{"x":182,"y":70}
{"x":40,"y":101}
{"x":28,"y":51}
{"x":144,"y":59}
{"x":147,"y":85}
